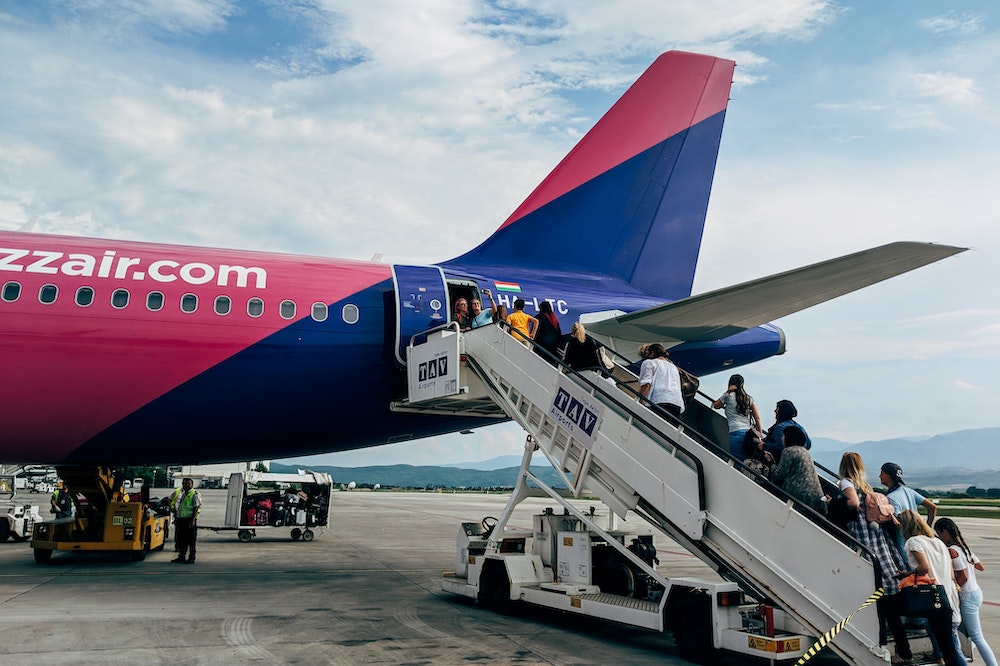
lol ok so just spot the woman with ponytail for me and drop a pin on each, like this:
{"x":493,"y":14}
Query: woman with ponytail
{"x":741,"y":416}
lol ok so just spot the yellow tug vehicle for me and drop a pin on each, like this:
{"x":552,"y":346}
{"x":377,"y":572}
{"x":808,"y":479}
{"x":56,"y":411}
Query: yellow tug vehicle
{"x":105,"y":519}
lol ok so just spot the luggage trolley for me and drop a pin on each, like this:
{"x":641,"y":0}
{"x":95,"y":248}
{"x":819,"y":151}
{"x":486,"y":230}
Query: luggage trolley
{"x":299,"y":503}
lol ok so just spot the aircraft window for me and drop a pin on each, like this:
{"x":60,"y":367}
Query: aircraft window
{"x":154,"y":301}
{"x":189,"y":303}
{"x":11,"y":291}
{"x":48,"y":293}
{"x":119,"y":298}
{"x":255,"y":307}
{"x":350,"y":313}
{"x":222,"y":305}
{"x":287,"y":309}
{"x":320,"y":311}
{"x":84,"y":296}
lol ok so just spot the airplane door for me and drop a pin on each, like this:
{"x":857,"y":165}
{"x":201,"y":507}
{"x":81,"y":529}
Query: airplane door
{"x":421,"y":303}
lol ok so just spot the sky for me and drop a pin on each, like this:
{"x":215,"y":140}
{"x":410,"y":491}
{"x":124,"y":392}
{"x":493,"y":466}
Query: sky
{"x":410,"y":130}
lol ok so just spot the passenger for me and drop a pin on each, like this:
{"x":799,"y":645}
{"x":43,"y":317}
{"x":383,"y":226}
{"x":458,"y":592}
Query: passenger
{"x":784,"y":416}
{"x":660,"y":381}
{"x":500,"y":314}
{"x":902,"y":498}
{"x":548,"y":335}
{"x":854,"y":487}
{"x":927,"y":556}
{"x":461,"y":315}
{"x":796,"y":471}
{"x":970,"y":595}
{"x":581,"y":350}
{"x":481,"y":317}
{"x":523,"y":323}
{"x":742,"y":417}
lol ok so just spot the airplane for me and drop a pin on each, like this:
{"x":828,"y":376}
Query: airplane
{"x":121,"y":352}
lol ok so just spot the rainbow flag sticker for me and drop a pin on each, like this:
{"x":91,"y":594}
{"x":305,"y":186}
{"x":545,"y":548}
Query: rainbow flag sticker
{"x":511,"y":287}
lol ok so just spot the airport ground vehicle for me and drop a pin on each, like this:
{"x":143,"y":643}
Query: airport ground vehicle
{"x":103,"y":521}
{"x":787,"y":576}
{"x":16,"y":518}
{"x":299,"y":503}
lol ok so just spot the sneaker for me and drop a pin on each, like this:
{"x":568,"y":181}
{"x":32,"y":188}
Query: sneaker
{"x":178,"y":559}
{"x":188,"y":561}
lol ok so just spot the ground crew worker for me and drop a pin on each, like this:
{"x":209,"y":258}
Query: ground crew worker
{"x":62,"y":501}
{"x":187,"y":509}
{"x":172,"y":505}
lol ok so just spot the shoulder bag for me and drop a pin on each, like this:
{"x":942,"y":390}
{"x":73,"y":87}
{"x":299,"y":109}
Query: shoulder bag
{"x":922,"y":599}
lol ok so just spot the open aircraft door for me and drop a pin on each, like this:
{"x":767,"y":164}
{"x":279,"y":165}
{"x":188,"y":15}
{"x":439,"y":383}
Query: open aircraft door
{"x":421,"y":303}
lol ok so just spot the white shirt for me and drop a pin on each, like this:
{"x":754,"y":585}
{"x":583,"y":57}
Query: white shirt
{"x":962,"y":562}
{"x":664,"y":382}
{"x":939,"y":561}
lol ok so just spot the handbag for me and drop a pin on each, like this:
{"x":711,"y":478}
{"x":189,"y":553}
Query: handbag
{"x":751,"y":441}
{"x":605,"y":360}
{"x":924,"y":600}
{"x":689,"y":385}
{"x":756,"y":465}
{"x":839,"y":513}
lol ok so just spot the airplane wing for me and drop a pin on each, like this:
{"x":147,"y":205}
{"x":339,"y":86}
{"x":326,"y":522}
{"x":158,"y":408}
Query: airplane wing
{"x":718,"y":314}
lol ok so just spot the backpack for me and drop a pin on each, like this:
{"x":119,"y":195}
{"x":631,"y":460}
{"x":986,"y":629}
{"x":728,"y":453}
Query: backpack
{"x":878,"y":509}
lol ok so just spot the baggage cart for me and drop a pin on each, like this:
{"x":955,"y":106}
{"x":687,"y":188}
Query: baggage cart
{"x":260,"y":501}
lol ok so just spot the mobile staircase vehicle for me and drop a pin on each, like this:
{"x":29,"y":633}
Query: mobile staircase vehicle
{"x":104,"y":519}
{"x":788,"y":575}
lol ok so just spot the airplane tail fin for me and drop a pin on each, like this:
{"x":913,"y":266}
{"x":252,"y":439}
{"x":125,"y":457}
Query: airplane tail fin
{"x":629,"y":201}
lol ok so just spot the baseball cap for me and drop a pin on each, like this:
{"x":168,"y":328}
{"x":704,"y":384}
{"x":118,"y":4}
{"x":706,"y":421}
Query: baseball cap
{"x":893,"y":471}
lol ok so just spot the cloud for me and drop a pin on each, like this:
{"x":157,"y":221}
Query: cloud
{"x":948,"y":87}
{"x":953,"y":23}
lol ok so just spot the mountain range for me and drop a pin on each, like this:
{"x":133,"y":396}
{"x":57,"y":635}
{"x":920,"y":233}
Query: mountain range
{"x":952,"y":461}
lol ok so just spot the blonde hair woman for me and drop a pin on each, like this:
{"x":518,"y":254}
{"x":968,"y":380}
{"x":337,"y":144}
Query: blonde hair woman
{"x":581,"y":350}
{"x":927,"y":556}
{"x":854,"y":487}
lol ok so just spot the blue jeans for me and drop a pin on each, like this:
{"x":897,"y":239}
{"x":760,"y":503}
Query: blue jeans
{"x":736,"y":439}
{"x":970,"y":602}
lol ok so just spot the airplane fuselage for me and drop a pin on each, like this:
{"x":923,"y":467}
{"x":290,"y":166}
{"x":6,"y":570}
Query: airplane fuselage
{"x":118,"y":351}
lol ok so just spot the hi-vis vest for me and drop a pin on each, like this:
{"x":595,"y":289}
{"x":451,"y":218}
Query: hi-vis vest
{"x":186,"y":507}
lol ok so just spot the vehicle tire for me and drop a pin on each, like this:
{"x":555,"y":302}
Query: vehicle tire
{"x":296,"y":534}
{"x":308,"y":535}
{"x":5,"y":530}
{"x":140,"y":555}
{"x":693,"y":629}
{"x":42,"y":555}
{"x":245,"y":536}
{"x":494,"y":590}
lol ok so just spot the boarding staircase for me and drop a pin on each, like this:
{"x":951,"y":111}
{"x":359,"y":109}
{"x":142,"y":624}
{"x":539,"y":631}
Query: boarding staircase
{"x":601,"y":438}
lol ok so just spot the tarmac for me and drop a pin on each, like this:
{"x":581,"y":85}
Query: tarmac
{"x":365,"y":591}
